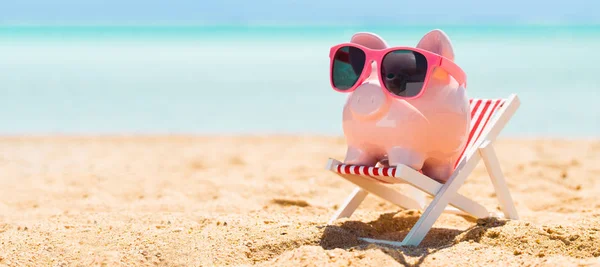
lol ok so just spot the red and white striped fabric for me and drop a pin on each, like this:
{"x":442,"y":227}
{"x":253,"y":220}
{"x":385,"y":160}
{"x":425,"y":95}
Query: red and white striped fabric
{"x":381,"y":174}
{"x":481,"y":112}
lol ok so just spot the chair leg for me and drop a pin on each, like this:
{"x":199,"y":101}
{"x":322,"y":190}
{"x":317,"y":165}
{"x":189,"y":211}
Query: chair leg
{"x":439,"y":203}
{"x":502,"y":193}
{"x":453,"y":210}
{"x":350,"y":205}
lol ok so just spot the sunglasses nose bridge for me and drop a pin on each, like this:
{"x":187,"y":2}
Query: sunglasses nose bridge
{"x":372,"y":72}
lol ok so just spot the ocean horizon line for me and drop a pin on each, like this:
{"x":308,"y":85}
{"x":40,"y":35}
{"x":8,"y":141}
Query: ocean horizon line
{"x":283,"y":32}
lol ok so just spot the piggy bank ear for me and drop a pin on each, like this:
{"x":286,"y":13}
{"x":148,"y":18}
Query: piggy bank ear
{"x":437,"y":41}
{"x":369,"y":40}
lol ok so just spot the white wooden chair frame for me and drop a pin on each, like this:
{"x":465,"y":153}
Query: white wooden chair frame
{"x":444,"y":195}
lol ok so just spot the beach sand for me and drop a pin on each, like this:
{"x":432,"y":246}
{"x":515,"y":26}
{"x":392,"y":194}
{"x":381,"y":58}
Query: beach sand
{"x":266,"y":200}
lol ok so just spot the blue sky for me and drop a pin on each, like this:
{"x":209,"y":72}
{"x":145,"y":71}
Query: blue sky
{"x":296,"y":11}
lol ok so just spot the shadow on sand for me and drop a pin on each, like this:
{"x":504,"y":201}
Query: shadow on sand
{"x":392,"y":227}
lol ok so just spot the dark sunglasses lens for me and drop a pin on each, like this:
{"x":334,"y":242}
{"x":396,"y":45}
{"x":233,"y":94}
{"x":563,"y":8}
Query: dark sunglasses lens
{"x":403,"y":72}
{"x":348,"y":64}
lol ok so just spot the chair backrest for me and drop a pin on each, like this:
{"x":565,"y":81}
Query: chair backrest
{"x":481,"y":112}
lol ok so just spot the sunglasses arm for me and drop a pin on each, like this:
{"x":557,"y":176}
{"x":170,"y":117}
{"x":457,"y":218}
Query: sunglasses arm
{"x":455,"y":71}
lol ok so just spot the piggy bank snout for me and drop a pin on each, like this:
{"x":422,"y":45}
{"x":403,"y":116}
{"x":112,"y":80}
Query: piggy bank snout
{"x":367,"y":101}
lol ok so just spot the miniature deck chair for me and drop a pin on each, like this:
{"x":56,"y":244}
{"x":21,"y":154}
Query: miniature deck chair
{"x":488,"y":118}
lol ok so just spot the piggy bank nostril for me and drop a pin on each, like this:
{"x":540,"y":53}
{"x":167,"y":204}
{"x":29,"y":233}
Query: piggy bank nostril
{"x":367,"y":101}
{"x":390,"y":76}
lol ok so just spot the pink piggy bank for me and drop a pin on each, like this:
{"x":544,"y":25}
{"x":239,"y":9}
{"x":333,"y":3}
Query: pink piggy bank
{"x":405,"y":105}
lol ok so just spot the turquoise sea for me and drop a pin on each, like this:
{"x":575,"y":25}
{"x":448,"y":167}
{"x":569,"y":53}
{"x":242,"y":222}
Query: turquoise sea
{"x":268,"y":79}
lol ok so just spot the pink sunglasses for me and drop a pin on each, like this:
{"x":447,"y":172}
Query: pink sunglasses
{"x":404,"y":71}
